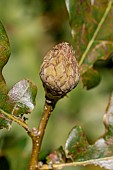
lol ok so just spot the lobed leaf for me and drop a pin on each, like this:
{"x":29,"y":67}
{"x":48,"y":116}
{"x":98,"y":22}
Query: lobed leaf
{"x":23,"y":95}
{"x":78,"y":149}
{"x":91,"y":27}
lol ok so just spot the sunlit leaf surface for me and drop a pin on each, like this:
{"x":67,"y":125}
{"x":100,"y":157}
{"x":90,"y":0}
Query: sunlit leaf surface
{"x":22,"y":95}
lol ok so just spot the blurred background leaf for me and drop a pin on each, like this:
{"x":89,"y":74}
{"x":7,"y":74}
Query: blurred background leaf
{"x":33,"y":27}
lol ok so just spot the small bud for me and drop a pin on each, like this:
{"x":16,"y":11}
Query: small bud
{"x":59,"y":71}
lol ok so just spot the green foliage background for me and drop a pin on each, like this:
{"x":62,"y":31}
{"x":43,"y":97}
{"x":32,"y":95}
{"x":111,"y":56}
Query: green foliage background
{"x":33,"y":27}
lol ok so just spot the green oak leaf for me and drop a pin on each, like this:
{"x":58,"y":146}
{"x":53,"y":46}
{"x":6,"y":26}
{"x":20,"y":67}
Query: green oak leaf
{"x":100,"y":153}
{"x":76,"y":144}
{"x":22,"y":95}
{"x":91,"y":26}
{"x":4,"y":56}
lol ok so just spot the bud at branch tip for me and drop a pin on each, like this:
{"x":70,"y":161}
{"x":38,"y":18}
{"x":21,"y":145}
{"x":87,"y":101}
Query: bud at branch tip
{"x":59,"y":71}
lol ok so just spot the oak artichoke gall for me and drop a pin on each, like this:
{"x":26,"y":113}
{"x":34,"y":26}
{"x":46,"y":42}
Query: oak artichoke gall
{"x":59,"y":71}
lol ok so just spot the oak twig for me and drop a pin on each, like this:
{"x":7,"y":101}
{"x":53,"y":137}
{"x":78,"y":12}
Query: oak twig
{"x":38,"y":135}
